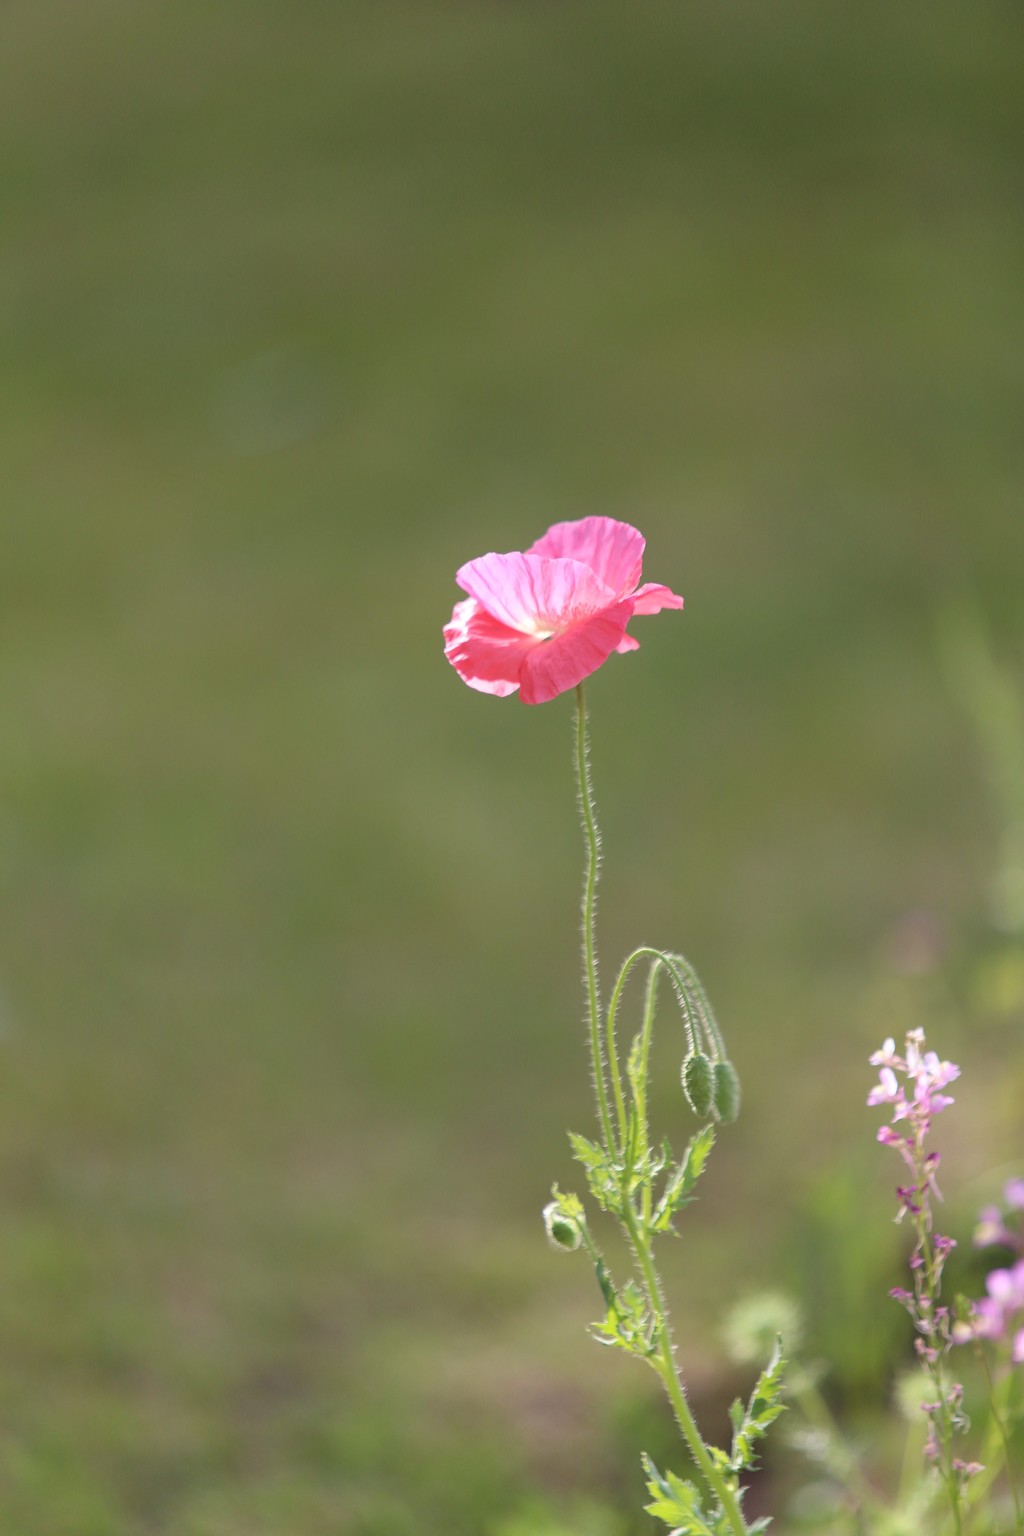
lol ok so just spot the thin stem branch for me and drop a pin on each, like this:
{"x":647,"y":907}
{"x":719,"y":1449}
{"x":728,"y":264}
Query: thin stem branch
{"x":640,"y":1088}
{"x":670,"y":964}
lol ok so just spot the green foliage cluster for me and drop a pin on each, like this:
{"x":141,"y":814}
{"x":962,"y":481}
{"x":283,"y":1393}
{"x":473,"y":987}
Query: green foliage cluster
{"x":678,"y":1503}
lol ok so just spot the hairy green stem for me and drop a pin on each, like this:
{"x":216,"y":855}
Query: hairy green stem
{"x":592,"y":847}
{"x":665,"y":1366}
{"x":697,"y":996}
{"x":665,"y":961}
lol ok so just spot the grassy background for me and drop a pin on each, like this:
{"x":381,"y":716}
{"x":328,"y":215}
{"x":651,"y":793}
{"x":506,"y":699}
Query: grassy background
{"x":302,"y":307}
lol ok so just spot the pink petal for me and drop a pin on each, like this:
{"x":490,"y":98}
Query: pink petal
{"x":486,"y":654}
{"x":999,"y":1284}
{"x":614,"y":551}
{"x":652,"y":598}
{"x":537,"y":596}
{"x":1018,"y":1283}
{"x":560,"y":663}
{"x":988,"y":1319}
{"x":627,"y":643}
{"x":886,"y":1090}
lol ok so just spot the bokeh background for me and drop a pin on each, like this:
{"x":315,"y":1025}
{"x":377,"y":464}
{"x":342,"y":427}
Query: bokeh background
{"x":302,"y":306}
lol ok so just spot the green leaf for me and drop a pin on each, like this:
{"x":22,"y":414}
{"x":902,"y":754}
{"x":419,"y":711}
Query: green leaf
{"x":751,"y":1424}
{"x":627,"y":1324}
{"x":679,"y":1188}
{"x":569,"y":1205}
{"x":587,"y":1152}
{"x":675,"y":1502}
{"x":603,"y":1175}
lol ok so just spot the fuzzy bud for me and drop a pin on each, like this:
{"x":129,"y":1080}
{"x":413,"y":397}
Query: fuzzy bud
{"x":699,"y":1084}
{"x":562,"y":1229}
{"x":727,"y":1092}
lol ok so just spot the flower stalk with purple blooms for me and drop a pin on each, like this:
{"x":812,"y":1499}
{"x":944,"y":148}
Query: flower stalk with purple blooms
{"x":1000,"y":1314}
{"x":997,"y":1320}
{"x":913,"y":1104}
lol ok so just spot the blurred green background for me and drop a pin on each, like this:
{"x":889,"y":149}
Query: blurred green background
{"x":302,"y":306}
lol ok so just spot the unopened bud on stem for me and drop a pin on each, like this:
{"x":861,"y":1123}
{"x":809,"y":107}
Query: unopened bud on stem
{"x":699,"y":1084}
{"x":564,"y":1230}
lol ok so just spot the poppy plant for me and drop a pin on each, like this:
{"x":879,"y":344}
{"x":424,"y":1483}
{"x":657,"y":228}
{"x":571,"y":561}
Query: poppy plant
{"x":542,"y":620}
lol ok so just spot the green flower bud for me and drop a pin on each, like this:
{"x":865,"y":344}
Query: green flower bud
{"x":699,"y":1084}
{"x":727,"y":1092}
{"x":563,"y":1230}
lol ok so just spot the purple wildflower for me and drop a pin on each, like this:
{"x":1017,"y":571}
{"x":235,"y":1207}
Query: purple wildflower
{"x":1000,"y":1313}
{"x":911,"y":1086}
{"x":993,"y":1230}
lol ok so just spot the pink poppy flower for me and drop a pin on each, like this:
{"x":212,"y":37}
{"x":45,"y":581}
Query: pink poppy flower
{"x":543,"y":620}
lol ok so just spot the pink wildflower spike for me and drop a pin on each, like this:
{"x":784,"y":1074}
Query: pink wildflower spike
{"x":1013,"y":1194}
{"x":542,"y":621}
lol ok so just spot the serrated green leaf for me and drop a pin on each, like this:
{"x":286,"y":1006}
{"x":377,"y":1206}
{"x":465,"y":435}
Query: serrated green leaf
{"x":765,"y":1405}
{"x":675,"y":1502}
{"x":569,"y":1205}
{"x":603,"y":1175}
{"x":627,"y":1324}
{"x":678,"y":1190}
{"x":586,"y":1152}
